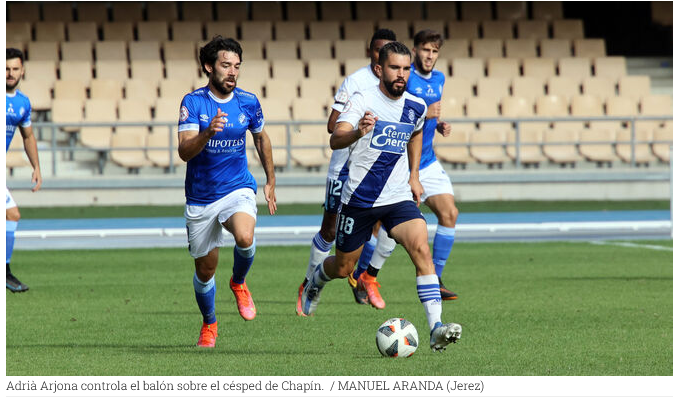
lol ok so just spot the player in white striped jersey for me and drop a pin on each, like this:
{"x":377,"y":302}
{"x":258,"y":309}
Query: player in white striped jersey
{"x":382,"y":128}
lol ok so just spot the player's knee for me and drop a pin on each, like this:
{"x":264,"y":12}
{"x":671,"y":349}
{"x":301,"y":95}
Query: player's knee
{"x":245,"y":240}
{"x":420,"y":248}
{"x":13,"y":214}
{"x":343,"y":270}
{"x":448,"y":217}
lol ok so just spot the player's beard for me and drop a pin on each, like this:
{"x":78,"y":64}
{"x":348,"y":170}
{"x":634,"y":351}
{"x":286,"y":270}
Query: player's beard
{"x":420,"y":67}
{"x":10,"y":87}
{"x":391,"y":88}
{"x":220,"y":85}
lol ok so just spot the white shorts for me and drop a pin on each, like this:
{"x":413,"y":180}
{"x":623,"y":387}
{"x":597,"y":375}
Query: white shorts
{"x":204,"y":222}
{"x":434,"y":181}
{"x":9,"y":201}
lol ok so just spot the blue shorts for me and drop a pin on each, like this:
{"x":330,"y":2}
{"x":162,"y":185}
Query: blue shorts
{"x":354,"y":225}
{"x":333,"y":193}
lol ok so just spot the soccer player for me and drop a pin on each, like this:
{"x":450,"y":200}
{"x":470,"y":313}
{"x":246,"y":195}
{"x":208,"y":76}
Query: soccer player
{"x":382,"y":128}
{"x":18,"y":115}
{"x":323,"y":240}
{"x":427,"y":83}
{"x":219,"y":188}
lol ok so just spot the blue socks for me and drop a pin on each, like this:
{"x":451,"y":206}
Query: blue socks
{"x":11,"y":228}
{"x":205,"y":298}
{"x":243,"y":258}
{"x":441,"y":247}
{"x":365,"y":257}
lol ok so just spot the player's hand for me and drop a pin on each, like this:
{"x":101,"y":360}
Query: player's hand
{"x":37,"y":179}
{"x":416,"y":190}
{"x":434,"y":110}
{"x":216,"y":124}
{"x":444,"y":128}
{"x":366,"y":124}
{"x":270,"y":196}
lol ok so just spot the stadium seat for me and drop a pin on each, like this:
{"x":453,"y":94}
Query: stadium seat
{"x":229,"y":11}
{"x":643,"y":153}
{"x":266,"y":11}
{"x":511,"y":10}
{"x":98,"y":111}
{"x":92,"y":11}
{"x":118,"y":31}
{"x":476,"y":10}
{"x":141,"y":90}
{"x":179,"y":50}
{"x":106,"y":88}
{"x":349,"y":49}
{"x":305,"y":135}
{"x":81,"y":50}
{"x":364,"y":10}
{"x":153,"y":31}
{"x":455,"y":49}
{"x":653,"y":105}
{"x":565,"y":87}
{"x":610,"y":67}
{"x":533,"y":29}
{"x":225,"y":28}
{"x":18,"y":32}
{"x":76,"y":70}
{"x":291,"y":70}
{"x":458,"y":87}
{"x":586,"y":106}
{"x":255,"y":68}
{"x":597,"y":144}
{"x":472,"y":68}
{"x":591,"y":48}
{"x":162,"y":137}
{"x":39,"y":92}
{"x":110,"y":50}
{"x":281,"y":50}
{"x":324,"y":30}
{"x":315,"y":49}
{"x":576,"y":67}
{"x":358,"y":30}
{"x":487,"y":48}
{"x":463,"y":29}
{"x":112,"y":69}
{"x":127,"y":11}
{"x":82,"y":31}
{"x":187,"y":31}
{"x":256,"y":30}
{"x":567,"y":29}
{"x":41,"y":70}
{"x":162,"y":11}
{"x":662,"y":140}
{"x":42,"y":51}
{"x":252,"y":50}
{"x":64,"y":110}
{"x":203,"y":11}
{"x":15,"y":156}
{"x":401,"y":28}
{"x":634,"y":86}
{"x":560,"y":145}
{"x":497,"y":29}
{"x":281,"y":88}
{"x":315,"y":88}
{"x":250,"y":84}
{"x":542,"y":68}
{"x":50,"y":31}
{"x":335,"y":11}
{"x":436,"y":25}
{"x":454,"y":148}
{"x":301,"y":11}
{"x":144,"y":50}
{"x":600,"y":86}
{"x":502,"y":68}
{"x":182,"y":69}
{"x":328,"y":68}
{"x":442,"y":65}
{"x":555,"y":48}
{"x":70,"y":89}
{"x":290,"y":30}
{"x":551,"y":106}
{"x":547,"y":10}
{"x":23,"y":11}
{"x":278,"y":138}
{"x":147,"y":69}
{"x":445,"y":10}
{"x":493,"y":87}
{"x":528,"y":132}
{"x":487,"y":143}
{"x":520,"y":48}
{"x":130,"y":110}
{"x":401,"y":10}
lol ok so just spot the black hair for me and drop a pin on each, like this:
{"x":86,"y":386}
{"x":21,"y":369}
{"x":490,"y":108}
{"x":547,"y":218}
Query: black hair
{"x":13,"y":53}
{"x":208,"y":53}
{"x":428,"y":36}
{"x":382,"y":33}
{"x":392,"y":47}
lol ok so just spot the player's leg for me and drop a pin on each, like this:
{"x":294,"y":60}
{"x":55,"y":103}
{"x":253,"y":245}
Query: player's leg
{"x":367,"y":282}
{"x":12,"y":217}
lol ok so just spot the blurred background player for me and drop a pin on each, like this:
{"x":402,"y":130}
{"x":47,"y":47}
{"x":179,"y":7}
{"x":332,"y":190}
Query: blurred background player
{"x":382,"y":126}
{"x":426,"y":83}
{"x":338,"y":172}
{"x":18,"y":115}
{"x":219,"y":188}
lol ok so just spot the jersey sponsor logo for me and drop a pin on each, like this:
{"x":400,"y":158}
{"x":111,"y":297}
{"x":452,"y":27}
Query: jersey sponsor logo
{"x":391,"y":137}
{"x":204,"y":118}
{"x":10,"y":109}
{"x":418,"y":90}
{"x":184,"y":114}
{"x":223,"y":146}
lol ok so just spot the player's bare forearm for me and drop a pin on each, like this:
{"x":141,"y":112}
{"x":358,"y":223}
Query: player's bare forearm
{"x":414,"y":148}
{"x":343,"y":138}
{"x":434,"y":110}
{"x":30,"y":146}
{"x":191,"y":144}
{"x":263,"y":146}
{"x":331,"y":122}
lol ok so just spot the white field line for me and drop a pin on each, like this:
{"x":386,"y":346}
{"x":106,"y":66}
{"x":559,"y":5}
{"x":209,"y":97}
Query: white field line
{"x":632,"y":245}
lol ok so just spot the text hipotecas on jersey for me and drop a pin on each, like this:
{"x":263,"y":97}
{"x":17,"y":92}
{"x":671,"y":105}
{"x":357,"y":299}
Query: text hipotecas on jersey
{"x":17,"y":114}
{"x":378,"y":164}
{"x":222,"y":166}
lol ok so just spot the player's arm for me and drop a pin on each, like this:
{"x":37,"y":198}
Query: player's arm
{"x":263,"y":146}
{"x":345,"y":134}
{"x":414,"y":148}
{"x":331,"y":122}
{"x":30,"y":146}
{"x":192,"y":142}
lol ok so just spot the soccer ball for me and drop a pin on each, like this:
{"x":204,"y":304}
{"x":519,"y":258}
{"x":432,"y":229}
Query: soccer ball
{"x":397,"y":337}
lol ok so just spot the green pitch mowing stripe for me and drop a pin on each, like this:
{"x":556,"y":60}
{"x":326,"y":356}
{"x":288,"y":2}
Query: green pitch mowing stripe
{"x":526,"y":309}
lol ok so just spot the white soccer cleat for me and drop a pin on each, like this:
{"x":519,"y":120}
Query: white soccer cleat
{"x":444,"y":334}
{"x":310,"y":297}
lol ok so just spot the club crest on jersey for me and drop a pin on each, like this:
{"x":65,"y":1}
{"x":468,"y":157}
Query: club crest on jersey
{"x":391,"y":137}
{"x":184,"y":113}
{"x":411,"y":114}
{"x":241,"y":118}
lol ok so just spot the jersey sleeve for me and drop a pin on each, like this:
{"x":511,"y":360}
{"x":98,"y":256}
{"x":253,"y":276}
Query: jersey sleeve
{"x":421,"y":120}
{"x":25,"y":121}
{"x":343,"y":94}
{"x":353,"y":110}
{"x":256,"y":117}
{"x":189,"y":115}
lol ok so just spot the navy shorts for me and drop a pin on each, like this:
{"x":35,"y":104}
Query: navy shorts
{"x":333,"y":193}
{"x":354,"y":225}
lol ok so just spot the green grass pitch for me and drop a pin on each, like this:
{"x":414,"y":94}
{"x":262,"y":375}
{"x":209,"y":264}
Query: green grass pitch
{"x":527,"y":309}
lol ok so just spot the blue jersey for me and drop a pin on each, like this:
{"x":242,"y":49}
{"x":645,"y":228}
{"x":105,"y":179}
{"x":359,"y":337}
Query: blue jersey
{"x":430,"y":90}
{"x":222,"y":166}
{"x":18,"y":113}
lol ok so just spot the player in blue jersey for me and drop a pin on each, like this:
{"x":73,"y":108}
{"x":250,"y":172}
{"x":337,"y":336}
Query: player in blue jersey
{"x":18,"y":115}
{"x":219,"y":188}
{"x":428,"y":83}
{"x":382,"y":128}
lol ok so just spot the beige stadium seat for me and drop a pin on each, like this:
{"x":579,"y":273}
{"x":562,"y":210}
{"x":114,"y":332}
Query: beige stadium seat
{"x":502,"y":68}
{"x":634,"y":86}
{"x":513,"y":106}
{"x":542,"y":68}
{"x":18,"y":32}
{"x":315,"y":88}
{"x":437,"y":25}
{"x":231,"y":11}
{"x":182,"y":69}
{"x":16,"y":156}
{"x":176,"y":88}
{"x":98,"y":111}
{"x":511,"y":10}
{"x":551,"y":106}
{"x":349,"y":49}
{"x":278,"y":88}
{"x":454,"y":149}
{"x":401,"y":27}
{"x":141,"y":90}
{"x":144,"y":50}
{"x":127,"y":11}
{"x":610,"y":67}
{"x":643,"y":151}
{"x":597,"y":145}
{"x":364,"y":10}
{"x":568,"y":29}
{"x":23,"y":11}
{"x":620,"y":106}
{"x":663,"y":139}
{"x":179,"y":50}
{"x":586,"y":106}
{"x":576,"y":67}
{"x":42,"y":70}
{"x":161,"y":139}
{"x":493,"y":88}
{"x":600,"y":86}
{"x":110,"y":50}
{"x":70,"y":89}
{"x":315,"y":49}
{"x":401,"y":10}
{"x":203,"y":11}
{"x":252,"y":85}
{"x":565,"y":87}
{"x":547,"y":10}
{"x":486,"y":48}
{"x":266,"y":11}
{"x":39,"y":93}
{"x":442,"y":65}
{"x":445,"y":10}
{"x":455,"y":49}
{"x":476,"y":10}
{"x":131,"y":110}
{"x":278,"y":138}
{"x":328,"y":68}
{"x":654,"y":105}
{"x":291,"y":70}
{"x":152,"y":31}
{"x":106,"y":88}
{"x":560,"y":145}
{"x":358,"y":30}
{"x":226,"y":29}
{"x":92,"y":11}
{"x":276,"y":109}
{"x":309,"y":135}
{"x":200,"y":82}
{"x":458,"y":87}
{"x":530,"y":134}
{"x":533,"y":29}
{"x":301,"y":11}
{"x":256,"y":30}
{"x":50,"y":31}
{"x":590,"y":48}
{"x":281,"y":50}
{"x":76,"y":70}
{"x":64,"y":110}
{"x":487,"y":143}
{"x":80,"y":50}
{"x":43,"y":50}
{"x":472,"y":68}
{"x":555,"y":48}
{"x":259,"y":69}
{"x":147,"y":69}
{"x":112,"y":69}
{"x":324,"y":30}
{"x":252,"y":50}
{"x":290,"y":30}
{"x":118,"y":30}
{"x":82,"y":31}
{"x":463,"y":29}
{"x":520,"y":48}
{"x":162,"y":11}
{"x":187,"y":31}
{"x":497,"y":29}
{"x":335,"y":11}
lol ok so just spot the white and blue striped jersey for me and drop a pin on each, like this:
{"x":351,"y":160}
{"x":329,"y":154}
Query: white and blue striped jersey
{"x":18,"y":113}
{"x":429,"y":88}
{"x":378,"y":166}
{"x":359,"y":80}
{"x":222,"y":166}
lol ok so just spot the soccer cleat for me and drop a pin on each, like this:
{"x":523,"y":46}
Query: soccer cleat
{"x":14,"y":284}
{"x":246,"y":307}
{"x":446,"y":293}
{"x":368,"y":284}
{"x":298,"y":309}
{"x":208,"y":335}
{"x":310,"y":297}
{"x":443,"y":334}
{"x":360,"y":295}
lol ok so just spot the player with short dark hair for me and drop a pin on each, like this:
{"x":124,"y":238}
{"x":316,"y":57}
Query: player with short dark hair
{"x":219,"y":188}
{"x":382,"y":127}
{"x":17,"y":115}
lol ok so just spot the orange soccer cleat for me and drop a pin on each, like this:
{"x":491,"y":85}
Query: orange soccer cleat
{"x":208,"y":335}
{"x":246,"y":307}
{"x":369,"y":284}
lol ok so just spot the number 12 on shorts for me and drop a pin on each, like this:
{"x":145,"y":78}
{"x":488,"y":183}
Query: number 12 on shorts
{"x":346,"y":224}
